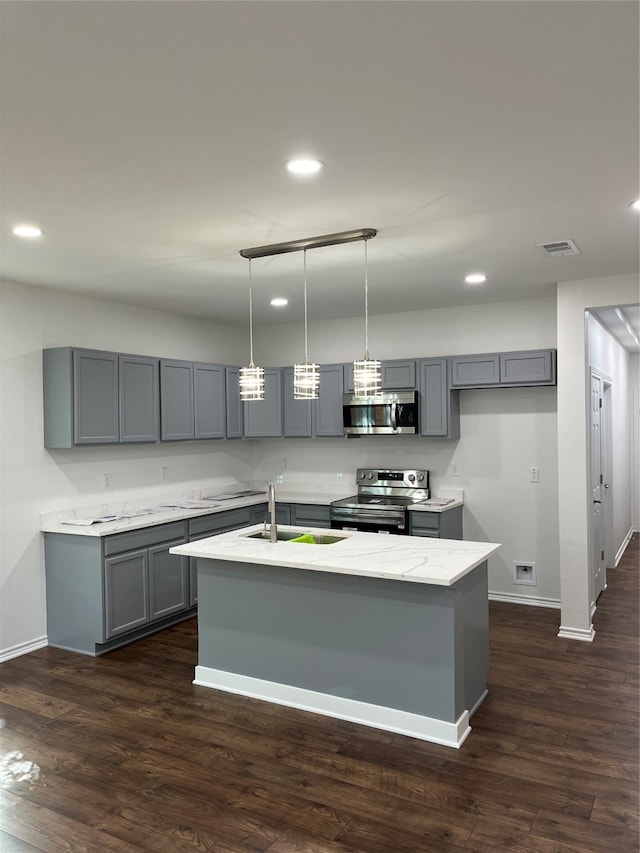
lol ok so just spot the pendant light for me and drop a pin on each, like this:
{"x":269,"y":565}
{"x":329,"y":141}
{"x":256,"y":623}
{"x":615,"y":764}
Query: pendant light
{"x":251,"y":379}
{"x":367,"y":376}
{"x":306,"y":375}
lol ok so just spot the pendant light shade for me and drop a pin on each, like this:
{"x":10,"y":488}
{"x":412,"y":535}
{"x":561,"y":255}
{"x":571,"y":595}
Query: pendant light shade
{"x":306,"y":375}
{"x":367,"y":374}
{"x":251,"y":380}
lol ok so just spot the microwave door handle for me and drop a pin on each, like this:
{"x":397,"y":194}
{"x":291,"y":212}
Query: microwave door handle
{"x":394,"y":417}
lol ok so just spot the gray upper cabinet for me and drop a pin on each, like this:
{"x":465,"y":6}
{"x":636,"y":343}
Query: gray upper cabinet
{"x":327,"y":409}
{"x":138,"y":398}
{"x":515,"y":369}
{"x":297,"y":413}
{"x":396,"y":374}
{"x":209,"y":396}
{"x":439,"y":405}
{"x":93,"y":397}
{"x":473,"y":371}
{"x":235,"y":413}
{"x":533,"y":367}
{"x":176,"y":400}
{"x":263,"y":418}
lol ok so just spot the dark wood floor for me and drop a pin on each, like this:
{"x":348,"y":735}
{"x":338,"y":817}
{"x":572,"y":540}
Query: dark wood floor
{"x":123,"y":753}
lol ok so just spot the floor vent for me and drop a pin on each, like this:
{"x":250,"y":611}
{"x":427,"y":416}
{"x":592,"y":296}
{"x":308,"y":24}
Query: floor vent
{"x":562,"y":247}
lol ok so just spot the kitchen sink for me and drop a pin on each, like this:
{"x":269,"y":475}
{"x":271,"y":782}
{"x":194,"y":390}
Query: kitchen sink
{"x":289,"y":535}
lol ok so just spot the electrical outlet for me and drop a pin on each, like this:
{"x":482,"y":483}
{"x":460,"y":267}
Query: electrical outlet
{"x":534,"y":475}
{"x":455,"y":471}
{"x":106,"y":481}
{"x":163,"y":472}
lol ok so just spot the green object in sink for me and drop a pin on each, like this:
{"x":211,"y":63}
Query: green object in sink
{"x":309,"y":538}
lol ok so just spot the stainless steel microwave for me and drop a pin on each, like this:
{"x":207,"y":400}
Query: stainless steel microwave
{"x":388,"y":413}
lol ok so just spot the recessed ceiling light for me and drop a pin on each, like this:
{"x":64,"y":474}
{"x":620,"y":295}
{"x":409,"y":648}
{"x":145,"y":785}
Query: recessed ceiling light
{"x":28,"y":231}
{"x":279,"y":302}
{"x":635,"y":204}
{"x":476,"y":278}
{"x":304,"y":166}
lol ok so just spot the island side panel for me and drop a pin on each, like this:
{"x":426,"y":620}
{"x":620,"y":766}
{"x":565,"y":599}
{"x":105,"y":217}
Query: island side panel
{"x":475,"y":612}
{"x":389,"y":643}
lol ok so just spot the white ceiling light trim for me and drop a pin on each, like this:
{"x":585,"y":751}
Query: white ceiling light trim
{"x":475,"y":278}
{"x":29,"y":231}
{"x":635,"y":204}
{"x":304,"y":166}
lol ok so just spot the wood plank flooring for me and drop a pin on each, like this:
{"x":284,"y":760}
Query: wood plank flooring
{"x":123,"y":753}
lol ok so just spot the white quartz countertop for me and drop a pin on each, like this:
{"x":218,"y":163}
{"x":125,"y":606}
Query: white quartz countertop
{"x":117,"y":517}
{"x":441,"y":562}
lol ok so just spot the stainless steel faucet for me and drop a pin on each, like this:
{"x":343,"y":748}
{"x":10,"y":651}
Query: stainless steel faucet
{"x":273,"y":529}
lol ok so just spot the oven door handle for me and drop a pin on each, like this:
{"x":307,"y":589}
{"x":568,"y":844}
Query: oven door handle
{"x":394,"y":417}
{"x":373,"y":517}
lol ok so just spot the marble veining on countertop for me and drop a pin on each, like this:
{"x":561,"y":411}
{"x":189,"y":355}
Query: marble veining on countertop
{"x":405,"y":558}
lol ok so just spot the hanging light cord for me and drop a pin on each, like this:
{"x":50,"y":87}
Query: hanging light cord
{"x":251,"y":364}
{"x":366,"y":304}
{"x":306,"y":352}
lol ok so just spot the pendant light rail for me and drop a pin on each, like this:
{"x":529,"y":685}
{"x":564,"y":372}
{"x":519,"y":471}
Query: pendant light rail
{"x":309,"y":243}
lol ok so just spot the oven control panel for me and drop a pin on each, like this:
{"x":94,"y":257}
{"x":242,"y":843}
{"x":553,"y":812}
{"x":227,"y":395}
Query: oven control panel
{"x":412,"y":478}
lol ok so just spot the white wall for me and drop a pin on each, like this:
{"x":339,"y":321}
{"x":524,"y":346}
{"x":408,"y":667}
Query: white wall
{"x":573,"y":299}
{"x":503,"y":431}
{"x":35,"y":480}
{"x":609,"y":358}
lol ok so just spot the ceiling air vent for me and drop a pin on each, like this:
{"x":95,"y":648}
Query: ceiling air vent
{"x":562,"y":247}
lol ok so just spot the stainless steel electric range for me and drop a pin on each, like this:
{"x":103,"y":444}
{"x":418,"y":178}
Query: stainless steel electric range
{"x":381,"y":504}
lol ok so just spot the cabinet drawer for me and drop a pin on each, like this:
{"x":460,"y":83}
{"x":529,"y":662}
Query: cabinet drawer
{"x":431,"y":534}
{"x":424,"y":521}
{"x":220,"y":522}
{"x":315,"y":515}
{"x":133,"y":539}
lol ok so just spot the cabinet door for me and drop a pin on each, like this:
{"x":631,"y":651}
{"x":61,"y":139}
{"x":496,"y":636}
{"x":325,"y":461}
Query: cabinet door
{"x":327,"y":409}
{"x":176,"y":400}
{"x":297,"y":413}
{"x":138,"y":396}
{"x":535,"y":367}
{"x":95,"y":397}
{"x":263,"y":418}
{"x":439,"y":406}
{"x":398,"y":375}
{"x":209,"y":401}
{"x":283,"y":514}
{"x":473,"y":371}
{"x":235,"y":414}
{"x":168,"y":581}
{"x":126,"y":592}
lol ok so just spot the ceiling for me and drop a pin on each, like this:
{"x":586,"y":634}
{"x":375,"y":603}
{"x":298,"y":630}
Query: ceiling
{"x":148,"y":140}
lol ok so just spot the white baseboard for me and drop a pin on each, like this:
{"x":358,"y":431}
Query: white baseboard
{"x":22,"y":649}
{"x":530,"y":600}
{"x":623,"y":547}
{"x":585,"y":634}
{"x":364,"y":713}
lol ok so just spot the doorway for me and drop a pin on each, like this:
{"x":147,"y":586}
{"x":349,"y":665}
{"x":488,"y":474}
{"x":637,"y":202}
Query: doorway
{"x":601,"y":515}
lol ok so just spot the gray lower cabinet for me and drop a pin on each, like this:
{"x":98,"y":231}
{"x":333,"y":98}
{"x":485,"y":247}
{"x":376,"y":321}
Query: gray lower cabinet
{"x":103,"y":592}
{"x":212,"y":525}
{"x":437,"y":525}
{"x":506,"y":369}
{"x":439,"y":404}
{"x":311,"y":515}
{"x":263,"y":418}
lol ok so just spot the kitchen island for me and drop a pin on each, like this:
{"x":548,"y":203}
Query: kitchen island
{"x":387,"y":631}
